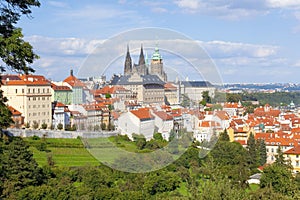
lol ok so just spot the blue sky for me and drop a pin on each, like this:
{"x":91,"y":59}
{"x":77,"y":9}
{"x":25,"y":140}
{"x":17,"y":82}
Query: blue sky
{"x":248,"y":40}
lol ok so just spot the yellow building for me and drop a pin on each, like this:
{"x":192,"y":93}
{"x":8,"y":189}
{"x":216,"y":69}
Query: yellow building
{"x":31,"y":95}
{"x":294,"y":156}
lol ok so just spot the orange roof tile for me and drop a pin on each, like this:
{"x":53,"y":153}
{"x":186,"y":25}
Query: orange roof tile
{"x":295,"y":150}
{"x":142,"y":113}
{"x":60,"y":87}
{"x":14,"y":111}
{"x":74,"y":82}
{"x":163,"y":115}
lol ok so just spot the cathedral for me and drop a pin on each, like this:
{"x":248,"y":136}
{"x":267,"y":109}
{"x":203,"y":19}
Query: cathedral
{"x":143,"y":68}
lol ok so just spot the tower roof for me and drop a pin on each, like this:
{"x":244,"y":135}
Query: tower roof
{"x":142,"y":58}
{"x":156,"y":55}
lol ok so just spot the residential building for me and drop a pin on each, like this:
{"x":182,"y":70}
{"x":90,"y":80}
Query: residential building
{"x":294,"y":155}
{"x":194,"y":89}
{"x":16,"y":117}
{"x":164,"y":123}
{"x":171,"y":94}
{"x":61,"y":93}
{"x":148,"y":89}
{"x":61,"y":115}
{"x":30,"y":95}
{"x":139,"y":121}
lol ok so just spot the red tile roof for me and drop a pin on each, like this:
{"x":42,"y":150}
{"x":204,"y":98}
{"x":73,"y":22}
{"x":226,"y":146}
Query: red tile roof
{"x":295,"y":150}
{"x":28,"y":80}
{"x":74,"y":82}
{"x":14,"y":111}
{"x":60,"y":87}
{"x":142,"y":113}
{"x":163,"y":115}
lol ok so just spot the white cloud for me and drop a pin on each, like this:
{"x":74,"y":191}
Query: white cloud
{"x":62,"y":54}
{"x":293,"y":4}
{"x":63,"y":46}
{"x":232,"y":49}
{"x":58,"y":4}
{"x":235,"y":9}
{"x":188,"y":4}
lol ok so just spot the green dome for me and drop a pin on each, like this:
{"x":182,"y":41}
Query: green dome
{"x":156,"y":55}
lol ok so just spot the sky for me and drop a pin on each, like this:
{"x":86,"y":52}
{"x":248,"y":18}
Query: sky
{"x":248,"y":41}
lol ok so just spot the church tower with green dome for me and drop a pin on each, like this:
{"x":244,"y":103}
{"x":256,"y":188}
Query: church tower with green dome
{"x":156,"y":67}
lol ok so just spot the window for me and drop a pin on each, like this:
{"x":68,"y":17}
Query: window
{"x":23,"y":91}
{"x":16,"y":91}
{"x":32,"y":90}
{"x":297,"y":156}
{"x":297,"y":163}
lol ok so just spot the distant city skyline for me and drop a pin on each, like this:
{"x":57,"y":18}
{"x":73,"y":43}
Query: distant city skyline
{"x":249,"y":41}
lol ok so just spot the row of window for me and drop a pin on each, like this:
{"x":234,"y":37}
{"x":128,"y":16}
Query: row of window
{"x":38,"y":98}
{"x":34,"y":90}
{"x":39,"y":106}
{"x":39,"y":121}
{"x":38,"y":114}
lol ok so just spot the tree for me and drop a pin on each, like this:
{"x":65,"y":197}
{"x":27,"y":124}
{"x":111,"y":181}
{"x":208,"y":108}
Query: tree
{"x":35,"y":125}
{"x":103,"y":126}
{"x":230,"y":159}
{"x":253,"y":152}
{"x":224,"y":136}
{"x":44,"y":125}
{"x":279,"y":178}
{"x":15,"y":53}
{"x":18,"y":167}
{"x":60,"y":126}
{"x":280,"y":160}
{"x":262,"y":152}
{"x":205,"y":98}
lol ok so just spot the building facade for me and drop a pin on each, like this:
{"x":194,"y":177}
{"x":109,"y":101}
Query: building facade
{"x":31,"y":95}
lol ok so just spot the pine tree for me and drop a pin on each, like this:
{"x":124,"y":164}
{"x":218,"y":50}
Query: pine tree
{"x":18,"y":167}
{"x":224,"y":136}
{"x":262,"y":152}
{"x":253,"y":152}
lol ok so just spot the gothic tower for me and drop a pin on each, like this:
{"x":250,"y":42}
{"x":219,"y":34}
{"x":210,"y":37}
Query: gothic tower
{"x":128,"y":63}
{"x":142,"y":68}
{"x":157,"y":67}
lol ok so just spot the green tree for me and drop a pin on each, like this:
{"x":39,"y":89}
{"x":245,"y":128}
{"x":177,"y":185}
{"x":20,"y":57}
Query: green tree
{"x":103,"y":126}
{"x":278,"y":177}
{"x":15,"y":53}
{"x":230,"y":159}
{"x":18,"y":167}
{"x":35,"y":125}
{"x":158,"y":136}
{"x":224,"y":136}
{"x":253,"y":152}
{"x":44,"y":125}
{"x":205,"y":98}
{"x":262,"y":152}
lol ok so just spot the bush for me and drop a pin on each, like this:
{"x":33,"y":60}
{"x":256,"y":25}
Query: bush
{"x":44,"y":125}
{"x":35,"y":137}
{"x":60,"y":126}
{"x":35,"y":125}
{"x":41,"y":146}
{"x":27,"y":125}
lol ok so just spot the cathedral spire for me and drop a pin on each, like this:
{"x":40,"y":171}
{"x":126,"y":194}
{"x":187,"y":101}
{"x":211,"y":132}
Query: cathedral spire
{"x":142,"y":58}
{"x":128,"y":63}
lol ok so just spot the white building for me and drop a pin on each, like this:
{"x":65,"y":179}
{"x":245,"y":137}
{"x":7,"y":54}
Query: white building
{"x":139,"y":121}
{"x":31,"y":95}
{"x":61,"y":115}
{"x":164,"y":123}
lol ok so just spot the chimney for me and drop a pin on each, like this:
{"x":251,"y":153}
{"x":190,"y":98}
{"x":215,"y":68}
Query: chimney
{"x":71,"y":72}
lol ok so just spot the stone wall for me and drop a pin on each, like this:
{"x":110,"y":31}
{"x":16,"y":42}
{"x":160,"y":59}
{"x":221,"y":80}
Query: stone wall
{"x":60,"y":134}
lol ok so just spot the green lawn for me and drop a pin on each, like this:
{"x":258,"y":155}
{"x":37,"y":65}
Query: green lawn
{"x":64,"y":152}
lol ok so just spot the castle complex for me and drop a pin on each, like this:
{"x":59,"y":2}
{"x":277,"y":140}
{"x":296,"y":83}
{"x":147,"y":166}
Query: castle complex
{"x":143,"y":68}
